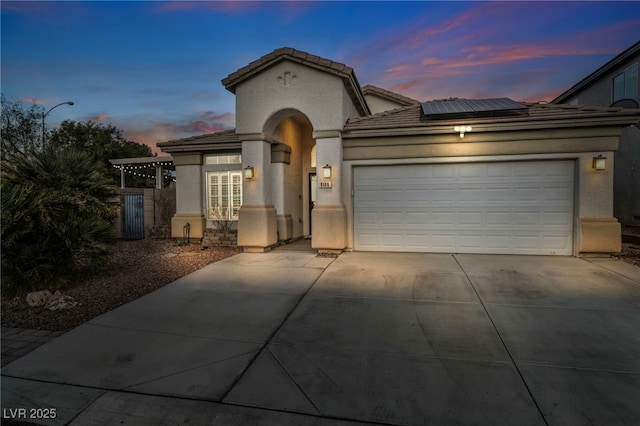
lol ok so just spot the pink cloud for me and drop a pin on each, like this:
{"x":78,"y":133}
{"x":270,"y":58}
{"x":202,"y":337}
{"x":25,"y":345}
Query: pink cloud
{"x":462,"y":56}
{"x":222,"y":6}
{"x":24,"y":6}
{"x":32,"y":101}
{"x":290,"y":8}
{"x":149,"y":132}
{"x":546,"y":96}
{"x":489,"y":55}
{"x":101,"y":118}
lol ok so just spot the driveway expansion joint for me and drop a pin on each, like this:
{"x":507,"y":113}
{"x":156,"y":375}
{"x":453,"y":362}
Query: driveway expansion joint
{"x":504,"y":344}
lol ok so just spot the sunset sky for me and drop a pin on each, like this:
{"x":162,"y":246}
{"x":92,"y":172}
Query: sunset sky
{"x":153,"y":68}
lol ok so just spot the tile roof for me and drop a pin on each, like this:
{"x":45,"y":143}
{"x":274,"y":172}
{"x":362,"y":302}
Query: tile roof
{"x":287,"y":53}
{"x":411,"y":117}
{"x":279,"y":54}
{"x":386,"y":94}
{"x":226,"y":139}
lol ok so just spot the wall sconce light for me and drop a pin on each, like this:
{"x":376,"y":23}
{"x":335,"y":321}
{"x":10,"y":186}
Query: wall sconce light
{"x":599,"y":163}
{"x":462,"y":130}
{"x":248,"y":172}
{"x":326,"y":171}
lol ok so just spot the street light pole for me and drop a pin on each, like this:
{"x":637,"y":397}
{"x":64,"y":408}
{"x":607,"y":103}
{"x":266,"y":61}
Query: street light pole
{"x":47,"y":113}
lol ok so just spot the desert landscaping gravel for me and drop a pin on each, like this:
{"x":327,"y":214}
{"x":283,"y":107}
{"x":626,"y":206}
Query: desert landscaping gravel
{"x":137,"y":268}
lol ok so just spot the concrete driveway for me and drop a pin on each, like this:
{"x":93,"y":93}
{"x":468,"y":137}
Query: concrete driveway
{"x":387,"y":338}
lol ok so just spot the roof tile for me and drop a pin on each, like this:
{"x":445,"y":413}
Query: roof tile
{"x":383,"y":93}
{"x":342,"y":70}
{"x":410,"y":116}
{"x":224,"y":136}
{"x":233,"y":78}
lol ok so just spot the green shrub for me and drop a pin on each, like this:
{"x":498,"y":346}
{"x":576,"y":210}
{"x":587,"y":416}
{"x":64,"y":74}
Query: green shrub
{"x":57,"y":211}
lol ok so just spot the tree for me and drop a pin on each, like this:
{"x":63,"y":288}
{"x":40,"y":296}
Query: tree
{"x":57,"y":215}
{"x":21,"y":128}
{"x":104,"y":142}
{"x":22,"y":135}
{"x":58,"y":204}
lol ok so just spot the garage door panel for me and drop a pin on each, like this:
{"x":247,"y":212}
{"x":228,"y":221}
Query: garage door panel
{"x":417,"y":218}
{"x":498,"y":194}
{"x":497,"y":219}
{"x":558,"y":169}
{"x":440,"y":173}
{"x":499,"y":172}
{"x":560,"y":219}
{"x":392,"y":218}
{"x":367,"y":195}
{"x":472,"y":171}
{"x":442,"y":195}
{"x":527,"y":170}
{"x":519,"y":207}
{"x":392,"y":239}
{"x":470,"y":218}
{"x":557,"y":194}
{"x":391,"y":196}
{"x":367,"y":218}
{"x":470,"y":195}
{"x":416,"y":195}
{"x":526,"y":219}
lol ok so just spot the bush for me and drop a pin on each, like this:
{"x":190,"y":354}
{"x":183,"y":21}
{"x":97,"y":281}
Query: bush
{"x":57,"y":211}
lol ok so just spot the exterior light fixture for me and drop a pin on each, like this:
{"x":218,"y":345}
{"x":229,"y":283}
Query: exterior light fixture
{"x":462,"y":130}
{"x":248,"y":172}
{"x":599,"y":163}
{"x":326,"y":171}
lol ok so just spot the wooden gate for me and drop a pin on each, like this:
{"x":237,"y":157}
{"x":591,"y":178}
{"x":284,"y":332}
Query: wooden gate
{"x":133,"y":216}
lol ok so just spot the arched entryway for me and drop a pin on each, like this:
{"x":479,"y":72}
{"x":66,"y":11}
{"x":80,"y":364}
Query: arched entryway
{"x":290,"y":133}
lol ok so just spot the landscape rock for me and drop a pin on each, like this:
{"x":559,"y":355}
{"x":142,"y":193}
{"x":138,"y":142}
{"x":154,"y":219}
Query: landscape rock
{"x":38,"y":298}
{"x":60,"y":301}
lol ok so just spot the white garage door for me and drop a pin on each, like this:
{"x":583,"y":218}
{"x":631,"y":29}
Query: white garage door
{"x":510,"y":208}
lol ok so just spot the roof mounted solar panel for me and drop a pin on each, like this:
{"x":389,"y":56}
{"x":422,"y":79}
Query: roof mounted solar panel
{"x":471,"y":108}
{"x":445,"y":107}
{"x":497,"y":104}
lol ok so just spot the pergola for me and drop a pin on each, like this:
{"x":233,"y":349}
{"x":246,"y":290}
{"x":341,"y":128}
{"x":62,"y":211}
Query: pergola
{"x":136,"y":165}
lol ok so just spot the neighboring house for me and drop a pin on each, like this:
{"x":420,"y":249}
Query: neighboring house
{"x":617,"y":83}
{"x":310,"y":158}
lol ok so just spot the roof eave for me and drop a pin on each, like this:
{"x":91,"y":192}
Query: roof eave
{"x":200,"y":147}
{"x":519,"y":125}
{"x":387,"y":95}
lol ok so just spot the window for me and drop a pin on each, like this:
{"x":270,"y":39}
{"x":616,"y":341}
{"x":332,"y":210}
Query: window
{"x":224,"y":195}
{"x":223,"y":159}
{"x":625,"y":84}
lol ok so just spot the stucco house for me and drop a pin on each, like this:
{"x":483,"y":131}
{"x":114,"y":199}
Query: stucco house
{"x":316,"y":155}
{"x":617,"y":83}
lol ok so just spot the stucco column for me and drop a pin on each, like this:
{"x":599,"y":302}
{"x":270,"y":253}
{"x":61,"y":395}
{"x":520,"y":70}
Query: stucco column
{"x":329,"y":216}
{"x":189,"y":193}
{"x":600,"y":231}
{"x":257,"y":216}
{"x":280,"y":159}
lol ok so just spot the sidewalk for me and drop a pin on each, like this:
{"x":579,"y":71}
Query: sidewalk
{"x":17,"y":342}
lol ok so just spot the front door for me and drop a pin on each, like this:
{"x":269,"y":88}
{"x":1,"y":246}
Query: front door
{"x":312,"y":198}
